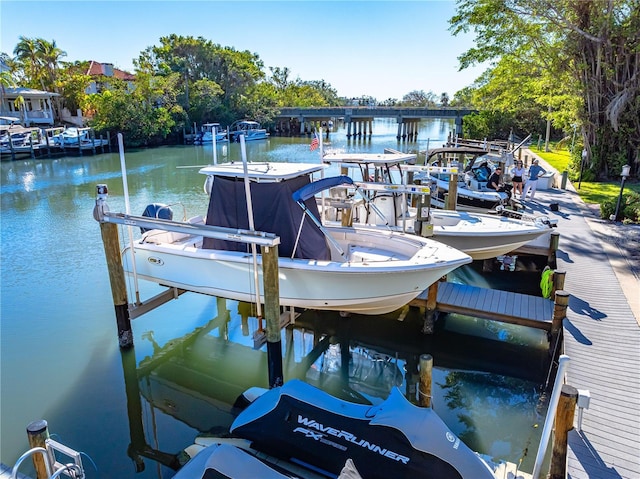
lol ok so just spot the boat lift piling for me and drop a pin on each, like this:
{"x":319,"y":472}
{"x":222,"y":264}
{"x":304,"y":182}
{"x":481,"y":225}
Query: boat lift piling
{"x":269,"y":248}
{"x":111,"y":243}
{"x":424,"y":391}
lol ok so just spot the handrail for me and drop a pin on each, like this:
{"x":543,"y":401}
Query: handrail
{"x":72,"y":470}
{"x":31,"y":452}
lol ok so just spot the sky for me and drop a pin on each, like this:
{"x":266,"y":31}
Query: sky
{"x":382,"y":49}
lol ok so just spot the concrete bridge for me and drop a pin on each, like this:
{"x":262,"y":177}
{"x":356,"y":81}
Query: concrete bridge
{"x":358,"y":118}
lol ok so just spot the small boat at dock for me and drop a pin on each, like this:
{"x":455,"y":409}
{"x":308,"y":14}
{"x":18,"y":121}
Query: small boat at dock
{"x":305,"y":425}
{"x":208,"y":132}
{"x":250,"y":129}
{"x":386,"y":204}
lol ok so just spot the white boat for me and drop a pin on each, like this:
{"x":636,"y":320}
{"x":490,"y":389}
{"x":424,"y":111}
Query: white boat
{"x":350,"y":269}
{"x":229,"y":459}
{"x":475,"y":166}
{"x":207,"y":133}
{"x":481,"y":236}
{"x":71,"y":137}
{"x":250,"y":129}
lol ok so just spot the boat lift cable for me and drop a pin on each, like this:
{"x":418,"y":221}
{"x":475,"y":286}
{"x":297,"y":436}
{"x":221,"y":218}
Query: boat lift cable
{"x":254,"y":252}
{"x":127,"y":206}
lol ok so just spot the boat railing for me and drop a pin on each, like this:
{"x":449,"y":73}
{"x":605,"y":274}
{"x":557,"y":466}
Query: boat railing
{"x":259,"y":238}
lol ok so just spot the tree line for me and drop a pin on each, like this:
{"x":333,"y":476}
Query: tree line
{"x":559,"y":69}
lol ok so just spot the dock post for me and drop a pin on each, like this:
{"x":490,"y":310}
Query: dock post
{"x":554,"y":242}
{"x":271,"y":284}
{"x":37,"y":433}
{"x":560,"y":304}
{"x":558,"y":282}
{"x":453,"y":192}
{"x":563,"y":424}
{"x":426,"y":369}
{"x":109,"y":232}
{"x":430,"y":313}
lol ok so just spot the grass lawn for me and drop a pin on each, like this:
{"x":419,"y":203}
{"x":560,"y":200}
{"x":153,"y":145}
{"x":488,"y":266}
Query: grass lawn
{"x":590,"y":192}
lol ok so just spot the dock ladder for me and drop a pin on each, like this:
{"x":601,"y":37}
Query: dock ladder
{"x":54,"y":469}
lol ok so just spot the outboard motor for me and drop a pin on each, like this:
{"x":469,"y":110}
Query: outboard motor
{"x":157,"y":210}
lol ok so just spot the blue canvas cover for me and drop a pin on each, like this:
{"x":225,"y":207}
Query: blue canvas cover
{"x":274,"y":211}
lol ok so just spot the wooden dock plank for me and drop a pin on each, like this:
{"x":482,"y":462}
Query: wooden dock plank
{"x":602,"y":339}
{"x":491,"y":304}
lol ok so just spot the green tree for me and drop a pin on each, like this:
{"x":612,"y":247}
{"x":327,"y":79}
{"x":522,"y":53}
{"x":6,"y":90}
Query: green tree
{"x":39,"y":60}
{"x":587,"y":50}
{"x":419,"y":98}
{"x":145,"y":115}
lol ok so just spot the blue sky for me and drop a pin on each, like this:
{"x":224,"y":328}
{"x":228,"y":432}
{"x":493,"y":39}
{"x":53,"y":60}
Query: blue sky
{"x":384,"y":49}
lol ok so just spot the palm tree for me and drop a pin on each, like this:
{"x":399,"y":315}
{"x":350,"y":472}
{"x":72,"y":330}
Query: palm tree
{"x":50,"y":56}
{"x":28,"y":55}
{"x":39,"y":59}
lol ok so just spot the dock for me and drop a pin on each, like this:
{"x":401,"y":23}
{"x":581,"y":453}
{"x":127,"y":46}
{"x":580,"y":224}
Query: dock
{"x":507,"y":307}
{"x":602,"y":338}
{"x":5,"y":472}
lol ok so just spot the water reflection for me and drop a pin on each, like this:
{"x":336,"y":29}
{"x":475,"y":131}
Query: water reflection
{"x":482,"y":388}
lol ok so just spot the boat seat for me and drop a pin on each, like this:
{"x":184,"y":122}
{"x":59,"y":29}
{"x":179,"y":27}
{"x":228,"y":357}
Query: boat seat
{"x":157,"y":236}
{"x":364,"y":254}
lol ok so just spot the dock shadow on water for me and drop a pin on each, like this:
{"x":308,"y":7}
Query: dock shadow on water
{"x":486,"y":389}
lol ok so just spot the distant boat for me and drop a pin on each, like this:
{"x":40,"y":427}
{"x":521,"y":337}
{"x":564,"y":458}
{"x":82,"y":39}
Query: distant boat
{"x":348,"y":269}
{"x":207,"y":133}
{"x":71,"y":137}
{"x":250,"y":129}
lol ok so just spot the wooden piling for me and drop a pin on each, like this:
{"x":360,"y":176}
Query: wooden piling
{"x":430,"y":313}
{"x":560,"y":304}
{"x":111,"y":243}
{"x":426,"y":369}
{"x":558,"y":282}
{"x":563,"y":424}
{"x":38,"y":433}
{"x":271,"y":282}
{"x":453,"y":192}
{"x":554,"y":242}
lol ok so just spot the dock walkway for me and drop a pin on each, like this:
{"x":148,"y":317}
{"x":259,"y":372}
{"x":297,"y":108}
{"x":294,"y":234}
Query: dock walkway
{"x":508,"y":307}
{"x":602,"y":338}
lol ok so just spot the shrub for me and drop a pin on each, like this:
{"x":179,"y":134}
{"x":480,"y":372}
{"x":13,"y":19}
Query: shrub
{"x":629,"y":207}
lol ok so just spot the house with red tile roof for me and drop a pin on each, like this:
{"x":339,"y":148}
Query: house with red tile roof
{"x":101,"y":72}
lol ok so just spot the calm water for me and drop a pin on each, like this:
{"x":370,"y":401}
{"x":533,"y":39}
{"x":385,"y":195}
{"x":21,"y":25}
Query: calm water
{"x":193,"y":356}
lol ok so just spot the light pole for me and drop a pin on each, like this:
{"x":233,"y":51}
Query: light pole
{"x":583,"y":158}
{"x":625,"y":173}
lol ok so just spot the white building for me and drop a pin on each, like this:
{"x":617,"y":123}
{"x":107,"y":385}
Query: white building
{"x":34,"y":109}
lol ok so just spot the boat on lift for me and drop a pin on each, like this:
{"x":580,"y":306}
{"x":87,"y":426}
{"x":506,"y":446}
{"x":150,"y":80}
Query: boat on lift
{"x":349,"y":269}
{"x":386,"y":203}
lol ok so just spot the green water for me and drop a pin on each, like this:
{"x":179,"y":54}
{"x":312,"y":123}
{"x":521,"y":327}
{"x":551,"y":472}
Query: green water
{"x":193,"y":356}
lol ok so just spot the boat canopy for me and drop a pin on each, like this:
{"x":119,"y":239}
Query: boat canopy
{"x":274,"y":211}
{"x":310,"y":190}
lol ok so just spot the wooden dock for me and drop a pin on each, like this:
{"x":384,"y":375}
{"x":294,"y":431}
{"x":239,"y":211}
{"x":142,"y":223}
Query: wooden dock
{"x":507,"y":307}
{"x":5,"y":472}
{"x":602,"y":339}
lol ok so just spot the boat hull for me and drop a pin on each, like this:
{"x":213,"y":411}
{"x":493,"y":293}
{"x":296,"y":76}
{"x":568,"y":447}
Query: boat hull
{"x":484,"y":236}
{"x":370,"y":282}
